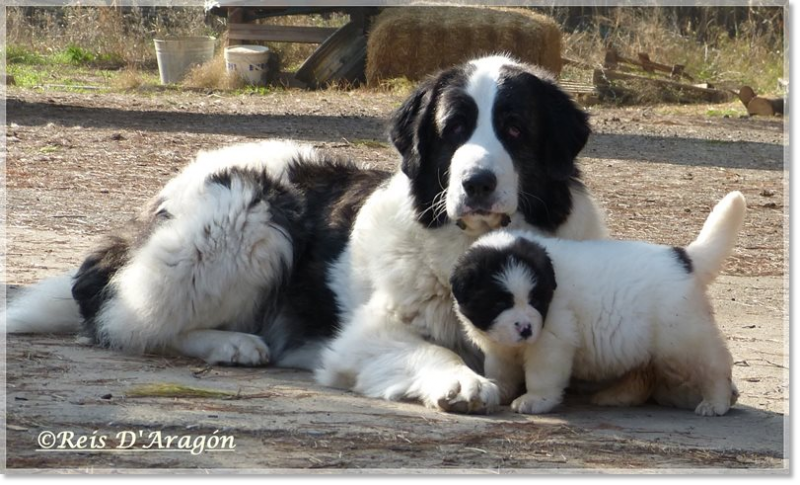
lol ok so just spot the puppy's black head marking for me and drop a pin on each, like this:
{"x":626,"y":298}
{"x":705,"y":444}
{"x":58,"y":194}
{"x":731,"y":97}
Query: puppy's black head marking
{"x":481,"y":295}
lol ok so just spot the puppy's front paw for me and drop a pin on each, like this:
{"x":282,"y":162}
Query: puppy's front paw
{"x":240,"y":349}
{"x":536,"y":403}
{"x":465,"y":392}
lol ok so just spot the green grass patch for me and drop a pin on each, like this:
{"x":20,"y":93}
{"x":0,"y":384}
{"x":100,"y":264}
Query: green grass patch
{"x":50,"y":149}
{"x":19,"y":55}
{"x":177,"y":390}
{"x":172,"y":390}
{"x":255,"y":90}
{"x":61,"y":77}
{"x":723,"y":112}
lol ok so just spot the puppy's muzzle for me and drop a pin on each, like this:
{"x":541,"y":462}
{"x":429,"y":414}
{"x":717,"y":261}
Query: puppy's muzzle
{"x":525,"y":330}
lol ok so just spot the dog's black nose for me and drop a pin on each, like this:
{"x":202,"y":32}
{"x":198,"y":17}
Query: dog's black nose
{"x":480,"y":184}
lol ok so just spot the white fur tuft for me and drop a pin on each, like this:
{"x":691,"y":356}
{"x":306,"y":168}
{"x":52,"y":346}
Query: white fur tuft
{"x":46,"y":307}
{"x":717,"y":237}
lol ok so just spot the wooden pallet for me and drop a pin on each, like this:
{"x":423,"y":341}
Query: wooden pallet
{"x":619,"y":68}
{"x":335,"y":44}
{"x":278,"y":33}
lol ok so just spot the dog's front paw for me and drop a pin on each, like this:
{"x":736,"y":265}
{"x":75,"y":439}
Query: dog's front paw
{"x":536,"y":403}
{"x":240,"y":349}
{"x":707,"y":408}
{"x":465,"y":392}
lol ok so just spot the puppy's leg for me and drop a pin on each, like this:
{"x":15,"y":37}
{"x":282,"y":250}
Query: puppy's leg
{"x":698,"y":375}
{"x":716,"y":386}
{"x":632,"y":389}
{"x":221,"y":347}
{"x":378,"y":356}
{"x":504,"y":366}
{"x":548,"y":365}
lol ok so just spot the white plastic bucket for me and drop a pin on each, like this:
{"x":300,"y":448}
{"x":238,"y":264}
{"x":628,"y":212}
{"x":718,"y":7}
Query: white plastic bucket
{"x":248,"y":61}
{"x":177,"y":55}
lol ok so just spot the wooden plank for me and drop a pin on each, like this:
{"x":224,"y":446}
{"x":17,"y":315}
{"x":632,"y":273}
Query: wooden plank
{"x":713,"y":95}
{"x":577,"y":87}
{"x":578,"y":64}
{"x":280,"y":33}
{"x":613,"y":58}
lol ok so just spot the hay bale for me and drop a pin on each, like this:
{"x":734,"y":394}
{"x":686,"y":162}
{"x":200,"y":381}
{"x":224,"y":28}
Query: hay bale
{"x":413,"y":42}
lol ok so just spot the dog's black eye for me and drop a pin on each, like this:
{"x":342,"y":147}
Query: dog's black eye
{"x":513,"y":131}
{"x":455,"y":128}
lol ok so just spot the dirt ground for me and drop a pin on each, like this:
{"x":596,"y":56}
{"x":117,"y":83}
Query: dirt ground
{"x":80,"y":165}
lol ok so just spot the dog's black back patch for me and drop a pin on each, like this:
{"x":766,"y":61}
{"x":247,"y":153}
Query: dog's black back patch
{"x":683,"y":258}
{"x":90,"y":287}
{"x":333,"y":191}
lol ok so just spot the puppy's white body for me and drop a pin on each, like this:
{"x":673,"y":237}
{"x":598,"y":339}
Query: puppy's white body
{"x":621,"y":308}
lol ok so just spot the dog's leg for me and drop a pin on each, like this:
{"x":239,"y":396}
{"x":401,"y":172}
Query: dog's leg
{"x":548,"y":365}
{"x":504,"y":366}
{"x":632,"y":389}
{"x":222,"y":347}
{"x":378,"y":356}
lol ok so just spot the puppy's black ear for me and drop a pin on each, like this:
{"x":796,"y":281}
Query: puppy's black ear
{"x":536,"y":256}
{"x":465,"y":278}
{"x":564,"y":131}
{"x":406,"y":126}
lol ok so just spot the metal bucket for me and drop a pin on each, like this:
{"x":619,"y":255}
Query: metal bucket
{"x":177,"y":55}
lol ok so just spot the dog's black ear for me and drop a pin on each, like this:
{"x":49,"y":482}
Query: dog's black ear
{"x":407,"y":125}
{"x":564,"y":129}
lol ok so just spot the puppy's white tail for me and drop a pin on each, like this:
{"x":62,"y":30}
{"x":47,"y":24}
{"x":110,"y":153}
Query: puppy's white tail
{"x":717,"y":237}
{"x":46,"y":307}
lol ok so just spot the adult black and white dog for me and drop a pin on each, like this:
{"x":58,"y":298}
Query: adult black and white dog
{"x":272,"y":252}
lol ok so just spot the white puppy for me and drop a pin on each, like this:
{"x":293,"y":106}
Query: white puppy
{"x":631,"y":312}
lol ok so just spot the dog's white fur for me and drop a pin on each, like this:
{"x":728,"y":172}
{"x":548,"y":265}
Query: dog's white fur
{"x":227,"y":249}
{"x":620,"y":307}
{"x":392,"y":283}
{"x":483,"y":151}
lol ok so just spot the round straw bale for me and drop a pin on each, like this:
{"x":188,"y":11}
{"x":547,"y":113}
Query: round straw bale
{"x":413,"y":42}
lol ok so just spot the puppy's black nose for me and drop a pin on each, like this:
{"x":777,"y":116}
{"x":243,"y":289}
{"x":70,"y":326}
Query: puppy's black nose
{"x":524,"y":329}
{"x":480,"y":184}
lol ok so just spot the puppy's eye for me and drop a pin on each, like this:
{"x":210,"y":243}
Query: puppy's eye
{"x":513,"y":131}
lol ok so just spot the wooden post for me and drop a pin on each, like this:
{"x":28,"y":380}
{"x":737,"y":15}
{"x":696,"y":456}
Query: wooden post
{"x":235,"y":16}
{"x":646,"y":63}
